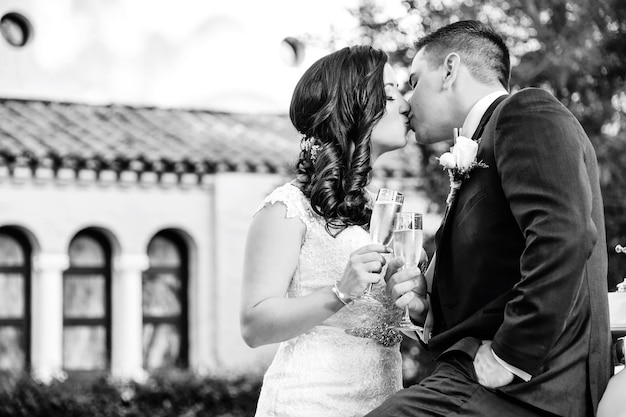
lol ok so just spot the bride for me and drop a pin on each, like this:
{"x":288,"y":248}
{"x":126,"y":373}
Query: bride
{"x":308,"y":256}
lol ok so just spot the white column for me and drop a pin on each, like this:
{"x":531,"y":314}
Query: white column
{"x":47,"y":315}
{"x":126,"y":355}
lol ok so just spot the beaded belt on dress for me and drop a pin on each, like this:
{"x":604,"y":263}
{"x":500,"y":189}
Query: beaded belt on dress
{"x":382,"y":333}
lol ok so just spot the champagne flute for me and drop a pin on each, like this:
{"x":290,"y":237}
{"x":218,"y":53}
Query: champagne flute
{"x":388,"y":203}
{"x":408,"y":238}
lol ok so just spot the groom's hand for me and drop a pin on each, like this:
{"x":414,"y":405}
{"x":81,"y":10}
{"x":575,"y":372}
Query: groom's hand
{"x":407,"y":286}
{"x":489,"y":371}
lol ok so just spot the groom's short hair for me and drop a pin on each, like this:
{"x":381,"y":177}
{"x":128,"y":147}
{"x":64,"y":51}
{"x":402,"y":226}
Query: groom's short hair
{"x":480,"y":47}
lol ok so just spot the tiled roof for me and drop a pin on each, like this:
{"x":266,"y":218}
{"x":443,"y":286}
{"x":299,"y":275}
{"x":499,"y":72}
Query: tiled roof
{"x":56,"y":135}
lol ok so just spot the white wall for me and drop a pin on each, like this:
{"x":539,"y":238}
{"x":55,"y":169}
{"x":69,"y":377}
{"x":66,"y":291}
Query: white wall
{"x":237,"y":197}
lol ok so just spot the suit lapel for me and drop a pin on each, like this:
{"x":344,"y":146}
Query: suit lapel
{"x":477,"y":134}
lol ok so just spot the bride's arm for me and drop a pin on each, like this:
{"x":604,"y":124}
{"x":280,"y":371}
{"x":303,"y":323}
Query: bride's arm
{"x":271,"y":257}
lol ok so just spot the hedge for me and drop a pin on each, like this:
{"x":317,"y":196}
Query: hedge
{"x":171,"y":394}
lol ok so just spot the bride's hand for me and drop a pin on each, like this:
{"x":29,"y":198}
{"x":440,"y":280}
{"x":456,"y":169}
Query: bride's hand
{"x":363,"y":268}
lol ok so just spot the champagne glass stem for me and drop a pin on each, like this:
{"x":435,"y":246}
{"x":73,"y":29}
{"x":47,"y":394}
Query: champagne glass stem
{"x":405,"y":319}
{"x":406,"y":323}
{"x":368,"y":290}
{"x":406,"y":316}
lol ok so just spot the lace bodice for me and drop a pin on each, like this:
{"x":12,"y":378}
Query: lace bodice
{"x":351,"y":362}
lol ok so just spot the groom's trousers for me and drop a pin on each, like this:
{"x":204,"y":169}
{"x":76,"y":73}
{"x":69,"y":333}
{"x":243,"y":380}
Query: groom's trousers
{"x":452,"y":390}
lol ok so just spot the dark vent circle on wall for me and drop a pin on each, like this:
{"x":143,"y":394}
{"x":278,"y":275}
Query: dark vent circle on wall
{"x":16,"y":29}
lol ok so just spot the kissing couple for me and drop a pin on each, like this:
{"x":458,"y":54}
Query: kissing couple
{"x":514,"y":301}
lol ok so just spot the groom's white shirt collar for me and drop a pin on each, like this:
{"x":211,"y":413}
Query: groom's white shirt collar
{"x":472,"y":120}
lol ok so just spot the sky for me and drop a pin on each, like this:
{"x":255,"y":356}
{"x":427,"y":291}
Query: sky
{"x":209,"y":54}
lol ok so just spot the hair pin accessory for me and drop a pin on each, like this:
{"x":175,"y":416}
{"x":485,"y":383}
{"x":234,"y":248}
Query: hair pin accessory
{"x":308,"y":145}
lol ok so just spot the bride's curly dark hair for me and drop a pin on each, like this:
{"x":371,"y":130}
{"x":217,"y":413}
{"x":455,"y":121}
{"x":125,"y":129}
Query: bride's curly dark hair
{"x":338,"y":101}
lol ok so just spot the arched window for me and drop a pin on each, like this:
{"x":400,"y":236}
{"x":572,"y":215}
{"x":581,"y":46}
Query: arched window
{"x":165,"y":283}
{"x":15,"y":281}
{"x":87,"y":304}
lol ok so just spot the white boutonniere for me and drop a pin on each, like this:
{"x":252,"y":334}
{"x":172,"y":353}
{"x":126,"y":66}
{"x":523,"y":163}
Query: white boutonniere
{"x":459,"y":162}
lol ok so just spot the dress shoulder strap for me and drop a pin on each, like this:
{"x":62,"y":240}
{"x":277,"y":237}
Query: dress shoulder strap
{"x":296,"y":204}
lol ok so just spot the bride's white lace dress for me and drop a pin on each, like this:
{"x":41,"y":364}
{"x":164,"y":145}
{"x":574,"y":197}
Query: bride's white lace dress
{"x":349,"y":364}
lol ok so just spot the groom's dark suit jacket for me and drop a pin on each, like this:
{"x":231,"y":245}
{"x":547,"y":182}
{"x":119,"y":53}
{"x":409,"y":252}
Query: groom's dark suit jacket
{"x":522,"y":258}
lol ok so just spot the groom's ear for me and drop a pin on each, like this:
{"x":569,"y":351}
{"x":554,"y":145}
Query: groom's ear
{"x":451,"y":65}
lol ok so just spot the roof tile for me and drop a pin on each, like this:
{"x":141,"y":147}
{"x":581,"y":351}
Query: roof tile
{"x":132,"y":138}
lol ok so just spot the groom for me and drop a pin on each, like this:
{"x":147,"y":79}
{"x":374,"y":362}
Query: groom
{"x":518,"y":300}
